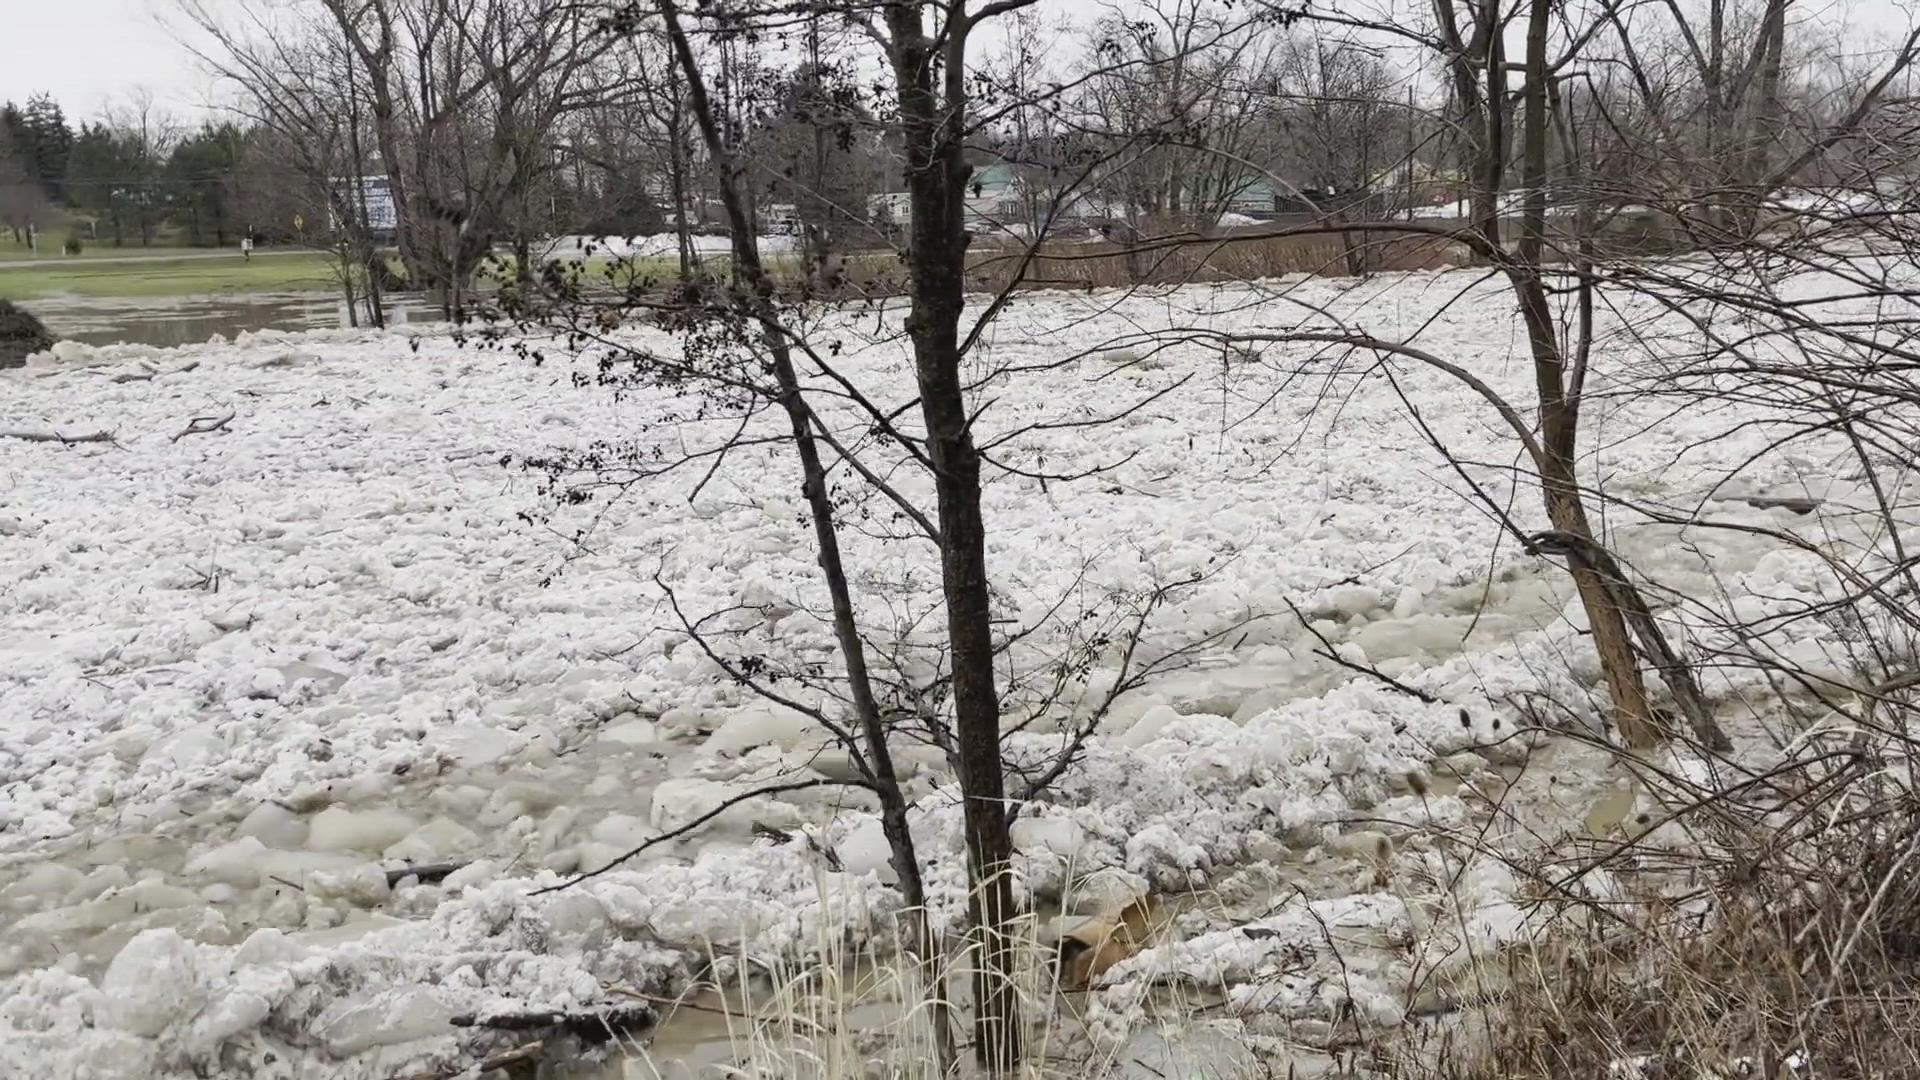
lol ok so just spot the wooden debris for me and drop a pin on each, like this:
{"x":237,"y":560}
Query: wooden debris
{"x":55,"y":436}
{"x":597,"y":1026}
{"x":1088,"y":950}
{"x":781,"y":836}
{"x":202,"y":425}
{"x":521,"y":1058}
{"x":1799,"y":504}
{"x":427,"y":873}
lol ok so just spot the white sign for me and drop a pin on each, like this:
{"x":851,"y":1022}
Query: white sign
{"x":375,"y":194}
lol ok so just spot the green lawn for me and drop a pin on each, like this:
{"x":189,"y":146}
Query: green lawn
{"x":56,"y":276}
{"x":11,"y":252}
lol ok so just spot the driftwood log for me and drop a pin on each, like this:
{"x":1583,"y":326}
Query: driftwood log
{"x":590,"y":1026}
{"x":521,"y":1060}
{"x":55,"y":436}
{"x":427,"y":873}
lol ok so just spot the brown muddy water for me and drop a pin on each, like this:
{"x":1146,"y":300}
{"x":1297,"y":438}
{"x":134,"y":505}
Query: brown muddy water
{"x":165,"y":322}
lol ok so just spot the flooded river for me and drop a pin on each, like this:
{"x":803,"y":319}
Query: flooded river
{"x":170,"y":321}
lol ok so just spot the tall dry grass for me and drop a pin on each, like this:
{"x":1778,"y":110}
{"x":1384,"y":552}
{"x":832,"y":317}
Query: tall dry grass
{"x":1755,"y":924}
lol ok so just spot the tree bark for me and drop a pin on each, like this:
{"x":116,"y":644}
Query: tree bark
{"x":677,"y":163}
{"x":936,"y":175}
{"x":1560,"y":409}
{"x":879,"y":758}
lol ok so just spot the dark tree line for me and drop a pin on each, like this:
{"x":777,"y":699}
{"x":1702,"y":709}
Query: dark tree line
{"x":134,"y":174}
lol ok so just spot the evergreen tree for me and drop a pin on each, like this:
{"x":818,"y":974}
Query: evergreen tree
{"x":15,"y":141}
{"x":50,"y":142}
{"x":202,"y":183}
{"x":97,"y":170}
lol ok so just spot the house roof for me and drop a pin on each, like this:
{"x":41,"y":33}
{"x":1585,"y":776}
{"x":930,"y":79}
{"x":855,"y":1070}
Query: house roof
{"x":991,"y":178}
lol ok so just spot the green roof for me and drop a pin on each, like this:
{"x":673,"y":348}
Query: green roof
{"x":994,"y":177}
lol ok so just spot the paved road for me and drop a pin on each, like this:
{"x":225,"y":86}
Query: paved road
{"x":123,"y":260}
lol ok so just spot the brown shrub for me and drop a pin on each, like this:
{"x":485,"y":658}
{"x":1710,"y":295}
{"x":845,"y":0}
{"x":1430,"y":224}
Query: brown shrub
{"x":1770,"y":930}
{"x":21,"y":335}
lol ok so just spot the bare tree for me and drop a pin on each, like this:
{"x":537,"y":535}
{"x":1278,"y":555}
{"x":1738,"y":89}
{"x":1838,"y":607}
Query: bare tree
{"x":461,"y":99}
{"x":1342,"y":115}
{"x":145,"y":135}
{"x":750,"y":346}
{"x":813,"y":146}
{"x":301,"y":90}
{"x":23,"y":206}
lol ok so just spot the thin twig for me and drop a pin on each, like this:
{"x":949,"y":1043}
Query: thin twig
{"x":426,"y":874}
{"x":675,"y":834}
{"x":202,"y":425}
{"x":1333,"y":654}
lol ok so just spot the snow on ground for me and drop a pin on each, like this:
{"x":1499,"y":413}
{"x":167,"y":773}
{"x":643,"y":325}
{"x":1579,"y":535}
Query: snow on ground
{"x":246,"y":674}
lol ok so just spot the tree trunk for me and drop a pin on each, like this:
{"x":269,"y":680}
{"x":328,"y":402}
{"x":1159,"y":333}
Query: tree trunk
{"x":361,"y":229}
{"x":1493,"y":148}
{"x":1633,"y":713}
{"x":677,"y":164}
{"x":376,"y":268}
{"x":936,"y":175}
{"x":1763,"y":120}
{"x":879,"y":757}
{"x":347,"y":290}
{"x":522,"y":256}
{"x":1482,"y":154}
{"x":1560,"y":404}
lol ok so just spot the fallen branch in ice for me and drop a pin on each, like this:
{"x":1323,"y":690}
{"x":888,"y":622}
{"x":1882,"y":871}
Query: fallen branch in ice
{"x":1088,"y":950}
{"x":782,"y":836}
{"x":596,"y":1026}
{"x":202,"y":425}
{"x":427,"y":874}
{"x":148,"y":373}
{"x":519,"y":1055}
{"x":675,"y":834}
{"x":1327,"y":650}
{"x":1799,"y":504}
{"x":54,"y":436}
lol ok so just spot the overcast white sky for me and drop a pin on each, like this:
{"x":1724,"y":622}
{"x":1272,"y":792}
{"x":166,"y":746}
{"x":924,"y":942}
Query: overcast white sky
{"x":87,"y":53}
{"x":91,"y":53}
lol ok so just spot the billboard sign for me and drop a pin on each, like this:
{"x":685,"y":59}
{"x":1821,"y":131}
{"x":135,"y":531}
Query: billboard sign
{"x":375,"y":194}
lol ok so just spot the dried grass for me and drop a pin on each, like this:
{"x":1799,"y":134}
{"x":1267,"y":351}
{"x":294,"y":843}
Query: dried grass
{"x":1766,"y":927}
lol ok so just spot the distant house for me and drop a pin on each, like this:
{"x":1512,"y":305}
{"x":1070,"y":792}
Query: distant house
{"x":1264,"y":195}
{"x":890,"y":209}
{"x":993,"y":196}
{"x":1256,"y":196}
{"x":993,"y":200}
